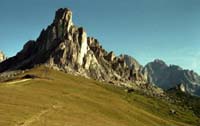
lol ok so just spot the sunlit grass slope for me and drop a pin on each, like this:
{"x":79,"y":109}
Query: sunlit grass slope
{"x":59,"y":99}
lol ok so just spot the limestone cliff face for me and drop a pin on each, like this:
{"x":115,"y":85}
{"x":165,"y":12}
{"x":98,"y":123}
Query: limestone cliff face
{"x":2,"y":56}
{"x":66,"y":47}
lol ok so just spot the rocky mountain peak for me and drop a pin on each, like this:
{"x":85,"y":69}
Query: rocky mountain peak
{"x":64,"y":16}
{"x":172,"y":76}
{"x":131,"y":62}
{"x":110,"y":56}
{"x":159,"y":62}
{"x":66,"y":47}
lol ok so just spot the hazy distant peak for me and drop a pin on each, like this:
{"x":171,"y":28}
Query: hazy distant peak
{"x":171,"y":76}
{"x":159,"y":61}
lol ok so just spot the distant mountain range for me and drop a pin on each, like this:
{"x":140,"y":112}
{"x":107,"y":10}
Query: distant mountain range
{"x":167,"y":77}
{"x":66,"y":47}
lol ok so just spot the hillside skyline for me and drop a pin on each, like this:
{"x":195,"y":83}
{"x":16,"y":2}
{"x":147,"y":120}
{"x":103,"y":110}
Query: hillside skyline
{"x":146,"y":31}
{"x":69,"y":76}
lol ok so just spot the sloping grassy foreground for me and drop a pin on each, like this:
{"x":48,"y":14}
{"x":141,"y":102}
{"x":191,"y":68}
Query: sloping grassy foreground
{"x":59,"y":99}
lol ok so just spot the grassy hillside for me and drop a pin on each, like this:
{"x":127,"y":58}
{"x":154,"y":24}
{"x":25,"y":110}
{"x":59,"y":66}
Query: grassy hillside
{"x":59,"y":99}
{"x":186,"y":100}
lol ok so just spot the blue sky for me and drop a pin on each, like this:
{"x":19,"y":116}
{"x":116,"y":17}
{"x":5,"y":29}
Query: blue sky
{"x":144,"y":29}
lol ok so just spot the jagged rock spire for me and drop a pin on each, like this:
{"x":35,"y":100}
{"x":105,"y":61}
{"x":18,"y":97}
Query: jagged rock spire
{"x":64,"y":16}
{"x":64,"y":46}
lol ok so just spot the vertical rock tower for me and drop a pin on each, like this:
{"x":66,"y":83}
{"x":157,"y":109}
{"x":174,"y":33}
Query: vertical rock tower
{"x":64,"y":46}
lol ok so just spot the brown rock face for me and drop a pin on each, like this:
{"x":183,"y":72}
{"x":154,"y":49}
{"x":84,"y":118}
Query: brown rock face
{"x":67,"y":47}
{"x":110,"y":57}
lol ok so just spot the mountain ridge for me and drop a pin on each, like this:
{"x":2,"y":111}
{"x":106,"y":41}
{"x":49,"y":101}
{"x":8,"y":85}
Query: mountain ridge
{"x":169,"y":76}
{"x":41,"y":67}
{"x":66,"y":47}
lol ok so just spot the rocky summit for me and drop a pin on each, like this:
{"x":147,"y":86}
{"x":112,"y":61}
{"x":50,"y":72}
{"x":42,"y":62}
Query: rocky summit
{"x":2,"y":56}
{"x":167,"y":77}
{"x":64,"y":46}
{"x":66,"y":77}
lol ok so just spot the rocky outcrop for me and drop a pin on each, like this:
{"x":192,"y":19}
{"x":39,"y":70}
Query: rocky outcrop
{"x":167,"y":77}
{"x":66,"y":47}
{"x":178,"y":88}
{"x":2,"y":56}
